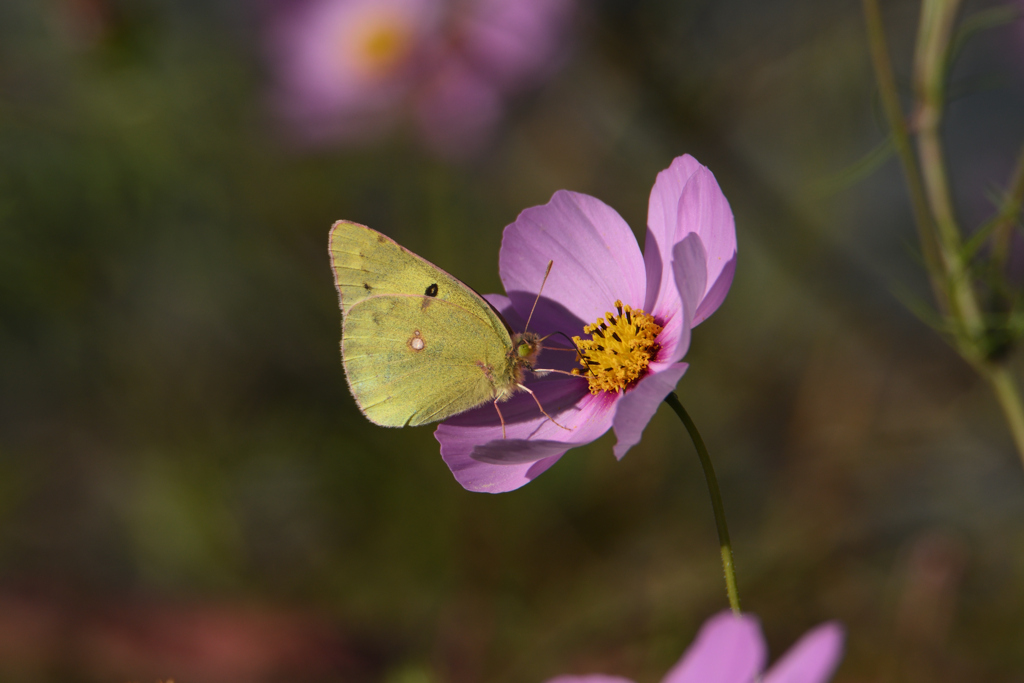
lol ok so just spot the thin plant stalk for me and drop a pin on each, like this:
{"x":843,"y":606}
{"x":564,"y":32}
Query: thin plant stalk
{"x":930,"y":69}
{"x":1009,"y":211}
{"x":716,"y":500}
{"x":1008,"y":394}
{"x":940,"y":235}
{"x":904,"y":147}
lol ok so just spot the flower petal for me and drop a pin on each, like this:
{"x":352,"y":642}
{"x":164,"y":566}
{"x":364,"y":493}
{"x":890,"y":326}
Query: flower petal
{"x":704,"y":210}
{"x":590,"y":678}
{"x":481,"y":460}
{"x":517,"y":451}
{"x":716,"y":293}
{"x":504,"y":306}
{"x":596,"y":261}
{"x":488,"y":478}
{"x":517,"y":43}
{"x":813,"y":658}
{"x":728,"y":649}
{"x":662,"y":231}
{"x":637,"y":406}
{"x":457,"y":110}
{"x":688,"y":266}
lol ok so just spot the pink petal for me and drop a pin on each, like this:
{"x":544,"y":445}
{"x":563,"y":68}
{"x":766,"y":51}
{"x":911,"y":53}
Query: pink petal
{"x":688,"y":265}
{"x":488,"y":478}
{"x":596,"y":261}
{"x":591,"y":678}
{"x":704,"y":210}
{"x":504,"y":306}
{"x":481,"y":460}
{"x":689,"y":260}
{"x":519,"y":42}
{"x":637,"y":406}
{"x":662,"y":231}
{"x":728,"y":649}
{"x":813,"y":659}
{"x":716,"y":293}
{"x":517,"y":451}
{"x":457,"y":110}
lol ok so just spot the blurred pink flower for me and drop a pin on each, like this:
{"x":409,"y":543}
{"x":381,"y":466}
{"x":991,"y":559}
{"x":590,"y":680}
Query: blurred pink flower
{"x":647,"y":302}
{"x":350,"y":70}
{"x":344,"y":66}
{"x":516,"y":42}
{"x":731,"y":649}
{"x":457,"y":109}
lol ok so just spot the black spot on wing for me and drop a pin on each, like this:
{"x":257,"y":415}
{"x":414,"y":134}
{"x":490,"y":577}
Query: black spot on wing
{"x":431,"y":290}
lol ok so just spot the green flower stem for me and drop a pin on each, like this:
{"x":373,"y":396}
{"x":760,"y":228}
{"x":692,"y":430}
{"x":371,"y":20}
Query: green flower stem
{"x":716,"y":500}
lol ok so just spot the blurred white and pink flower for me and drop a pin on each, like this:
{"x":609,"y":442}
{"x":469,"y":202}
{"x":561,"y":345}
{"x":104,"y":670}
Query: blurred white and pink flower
{"x":348,"y":71}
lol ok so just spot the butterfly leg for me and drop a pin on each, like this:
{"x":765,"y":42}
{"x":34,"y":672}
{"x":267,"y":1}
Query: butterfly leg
{"x":542,"y":411}
{"x":500,"y":417}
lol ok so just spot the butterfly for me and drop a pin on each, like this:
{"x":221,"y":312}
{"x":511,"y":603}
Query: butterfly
{"x":417,"y":344}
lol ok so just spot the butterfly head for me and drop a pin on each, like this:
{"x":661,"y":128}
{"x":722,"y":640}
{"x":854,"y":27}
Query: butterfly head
{"x":526,"y":346}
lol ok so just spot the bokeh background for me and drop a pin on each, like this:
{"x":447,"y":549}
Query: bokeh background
{"x":188,"y":491}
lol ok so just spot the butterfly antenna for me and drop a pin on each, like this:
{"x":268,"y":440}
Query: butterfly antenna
{"x":558,"y":348}
{"x":546,"y":273}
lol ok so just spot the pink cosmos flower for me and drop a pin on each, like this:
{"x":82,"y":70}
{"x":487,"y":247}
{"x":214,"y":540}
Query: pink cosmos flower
{"x":457,"y":109}
{"x":731,"y":649}
{"x":516,"y":42}
{"x":350,"y":70}
{"x":344,"y":67}
{"x":679,"y":280}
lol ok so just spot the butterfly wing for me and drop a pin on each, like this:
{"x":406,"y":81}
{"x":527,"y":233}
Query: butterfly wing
{"x":367,"y":263}
{"x":414,"y":359}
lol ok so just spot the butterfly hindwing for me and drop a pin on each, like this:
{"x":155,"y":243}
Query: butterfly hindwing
{"x":411,"y":359}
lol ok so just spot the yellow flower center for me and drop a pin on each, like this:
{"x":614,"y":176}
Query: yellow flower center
{"x":619,"y":349}
{"x":379,"y":43}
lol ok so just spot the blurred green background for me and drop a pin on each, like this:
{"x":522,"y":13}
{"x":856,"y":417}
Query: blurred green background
{"x":188,"y":491}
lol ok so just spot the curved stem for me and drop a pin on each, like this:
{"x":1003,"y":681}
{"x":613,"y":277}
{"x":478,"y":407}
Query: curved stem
{"x":928,"y":182}
{"x":890,"y":98}
{"x":1006,"y":391}
{"x":716,"y":500}
{"x":930,"y":69}
{"x":1007,"y":217}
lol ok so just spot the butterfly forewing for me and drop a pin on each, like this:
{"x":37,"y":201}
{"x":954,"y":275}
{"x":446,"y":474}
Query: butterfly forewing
{"x":367,"y":263}
{"x":414,"y":359}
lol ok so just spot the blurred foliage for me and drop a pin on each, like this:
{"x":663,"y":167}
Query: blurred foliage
{"x":179,"y":452}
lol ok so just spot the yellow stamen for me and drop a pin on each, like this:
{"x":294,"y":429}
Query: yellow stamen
{"x":619,"y":350}
{"x":385,"y":45}
{"x":379,"y":43}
